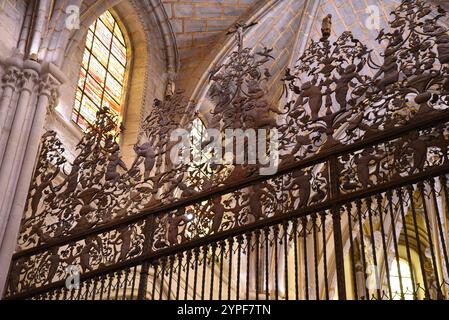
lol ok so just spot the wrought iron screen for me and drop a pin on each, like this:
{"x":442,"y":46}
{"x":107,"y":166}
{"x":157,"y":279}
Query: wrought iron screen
{"x":361,"y":191}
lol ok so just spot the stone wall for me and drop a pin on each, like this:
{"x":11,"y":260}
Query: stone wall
{"x":12,"y":14}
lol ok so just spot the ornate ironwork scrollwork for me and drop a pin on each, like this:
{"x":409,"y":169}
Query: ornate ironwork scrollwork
{"x":391,"y":117}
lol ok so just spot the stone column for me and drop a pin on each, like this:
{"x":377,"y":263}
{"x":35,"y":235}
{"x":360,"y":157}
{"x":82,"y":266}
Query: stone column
{"x":17,"y":140}
{"x":10,"y":83}
{"x":46,"y":101}
{"x":40,"y":25}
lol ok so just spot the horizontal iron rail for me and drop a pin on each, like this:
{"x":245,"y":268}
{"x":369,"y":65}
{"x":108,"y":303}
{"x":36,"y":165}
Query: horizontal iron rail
{"x":384,"y":136}
{"x":200,"y":242}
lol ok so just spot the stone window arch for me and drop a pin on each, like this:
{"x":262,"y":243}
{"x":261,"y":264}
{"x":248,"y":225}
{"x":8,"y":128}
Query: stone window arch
{"x":103,"y":72}
{"x":148,"y":68}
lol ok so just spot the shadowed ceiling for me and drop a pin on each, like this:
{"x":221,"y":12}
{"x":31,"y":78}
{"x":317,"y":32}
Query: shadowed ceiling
{"x":198,"y":26}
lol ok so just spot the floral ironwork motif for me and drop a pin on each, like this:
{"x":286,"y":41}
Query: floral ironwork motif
{"x":335,"y":100}
{"x":238,"y":91}
{"x":237,"y":88}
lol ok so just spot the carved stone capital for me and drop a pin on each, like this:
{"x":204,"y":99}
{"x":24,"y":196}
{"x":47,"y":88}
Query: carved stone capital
{"x":28,"y":80}
{"x":49,"y":86}
{"x":11,"y":77}
{"x":54,"y":100}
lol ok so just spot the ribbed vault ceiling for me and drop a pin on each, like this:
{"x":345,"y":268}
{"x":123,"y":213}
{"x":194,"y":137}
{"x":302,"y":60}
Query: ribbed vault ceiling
{"x":198,"y":24}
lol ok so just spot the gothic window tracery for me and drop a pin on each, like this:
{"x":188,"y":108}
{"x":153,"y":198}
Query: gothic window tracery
{"x":102,"y":73}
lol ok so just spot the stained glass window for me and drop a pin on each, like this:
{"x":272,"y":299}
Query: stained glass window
{"x":198,"y":136}
{"x":102,"y":74}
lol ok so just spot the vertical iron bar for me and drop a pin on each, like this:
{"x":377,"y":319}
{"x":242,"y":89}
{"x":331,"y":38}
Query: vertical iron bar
{"x":239,"y":257}
{"x":212,"y":271}
{"x":78,"y":297}
{"x":276,"y":255}
{"x":119,"y":277}
{"x":143,"y":281}
{"x":170,"y":276}
{"x":111,"y":277}
{"x":257,"y":244}
{"x":407,"y":244}
{"x":339,"y":257}
{"x":418,"y":241}
{"x":203,"y":282}
{"x":295,"y":245}
{"x":326,"y":281}
{"x":334,"y":179}
{"x":220,"y":286}
{"x":384,"y":244}
{"x":231,"y":248}
{"x":440,"y":225}
{"x":94,"y":292}
{"x":267,"y":263}
{"x":125,"y":285}
{"x":351,"y":244}
{"x":395,"y":241}
{"x":373,"y":247}
{"x":285,"y":225}
{"x":188,"y":257}
{"x":180,"y":257}
{"x":315,"y":257}
{"x":149,"y":228}
{"x":153,"y":291}
{"x":133,"y":284}
{"x":64,"y":295}
{"x":164,"y":265}
{"x":306,"y":265}
{"x":429,"y":236}
{"x":248,"y":263}
{"x":196,"y":255}
{"x":72,"y":293}
{"x":362,"y":245}
{"x":58,"y":294}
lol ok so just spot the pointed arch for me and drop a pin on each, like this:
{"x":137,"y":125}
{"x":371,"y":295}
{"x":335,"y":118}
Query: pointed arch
{"x":147,"y":72}
{"x":102,"y":80}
